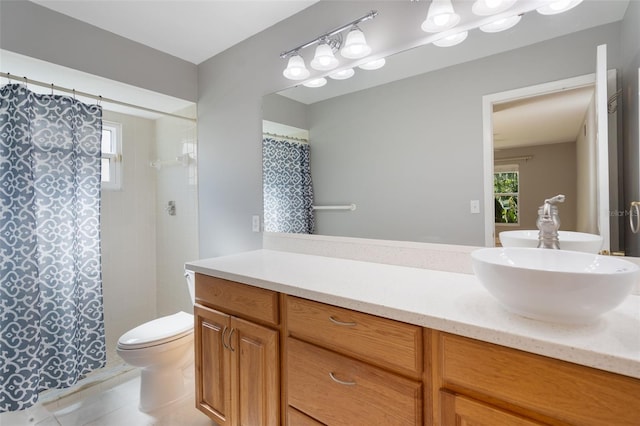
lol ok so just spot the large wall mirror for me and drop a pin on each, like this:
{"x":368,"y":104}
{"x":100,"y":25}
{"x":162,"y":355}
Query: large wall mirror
{"x":407,"y":146}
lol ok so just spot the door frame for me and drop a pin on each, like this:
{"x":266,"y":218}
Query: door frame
{"x":487,"y":134}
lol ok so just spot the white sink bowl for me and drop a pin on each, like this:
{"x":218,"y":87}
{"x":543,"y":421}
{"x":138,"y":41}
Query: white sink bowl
{"x":569,"y":240}
{"x":555,"y":285}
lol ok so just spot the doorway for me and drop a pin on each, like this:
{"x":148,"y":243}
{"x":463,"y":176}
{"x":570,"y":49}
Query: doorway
{"x":547,"y":133}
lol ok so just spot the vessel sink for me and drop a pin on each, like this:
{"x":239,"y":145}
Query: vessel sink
{"x":555,"y":285}
{"x":569,"y":240}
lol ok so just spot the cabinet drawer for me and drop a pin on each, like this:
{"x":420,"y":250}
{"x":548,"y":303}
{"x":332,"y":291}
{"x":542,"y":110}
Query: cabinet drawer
{"x":381,"y":341}
{"x":538,"y":386}
{"x":296,"y":418}
{"x":238,"y":299}
{"x":337,"y":390}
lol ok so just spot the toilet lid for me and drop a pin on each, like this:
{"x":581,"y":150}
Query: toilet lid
{"x":158,"y":331}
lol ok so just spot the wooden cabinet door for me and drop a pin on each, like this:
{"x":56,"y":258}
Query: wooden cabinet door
{"x":256,"y":370}
{"x":458,"y":410}
{"x":213,"y":365}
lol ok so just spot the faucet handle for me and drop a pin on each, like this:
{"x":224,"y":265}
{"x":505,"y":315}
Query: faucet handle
{"x":555,"y":200}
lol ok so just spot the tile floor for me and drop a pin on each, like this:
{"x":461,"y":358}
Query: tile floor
{"x":113,"y":402}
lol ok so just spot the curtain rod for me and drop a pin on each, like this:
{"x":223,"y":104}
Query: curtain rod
{"x":89,"y":95}
{"x":291,"y":138}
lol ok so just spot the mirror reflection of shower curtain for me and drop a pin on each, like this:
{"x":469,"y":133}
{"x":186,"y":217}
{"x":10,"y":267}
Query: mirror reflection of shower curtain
{"x":51,"y":314}
{"x":287,"y":186}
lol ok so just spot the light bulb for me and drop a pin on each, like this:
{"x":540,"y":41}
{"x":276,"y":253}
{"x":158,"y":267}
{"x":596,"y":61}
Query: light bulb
{"x":558,"y":7}
{"x":442,"y":20}
{"x":355,"y":45}
{"x":324,"y":59}
{"x":491,"y":7}
{"x":440,"y":17}
{"x":317,"y":82}
{"x":452,"y":40}
{"x":296,"y":70}
{"x":342,"y":74}
{"x":500,"y":24}
{"x":373,"y":65}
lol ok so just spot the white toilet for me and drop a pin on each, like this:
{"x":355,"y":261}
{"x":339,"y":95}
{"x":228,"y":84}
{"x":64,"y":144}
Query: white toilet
{"x":163,"y":349}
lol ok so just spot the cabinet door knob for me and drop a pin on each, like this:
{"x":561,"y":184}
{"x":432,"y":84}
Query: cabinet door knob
{"x":342,"y":382}
{"x":346,"y":324}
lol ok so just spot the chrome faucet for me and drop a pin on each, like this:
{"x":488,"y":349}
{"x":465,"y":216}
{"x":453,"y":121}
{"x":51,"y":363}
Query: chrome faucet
{"x":549,"y":222}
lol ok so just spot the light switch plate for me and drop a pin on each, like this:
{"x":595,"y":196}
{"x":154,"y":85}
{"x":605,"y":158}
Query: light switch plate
{"x":475,"y":206}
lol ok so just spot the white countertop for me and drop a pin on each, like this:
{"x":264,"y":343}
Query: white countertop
{"x":451,"y":302}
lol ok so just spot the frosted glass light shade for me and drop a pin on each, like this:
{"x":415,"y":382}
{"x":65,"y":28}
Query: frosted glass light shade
{"x":452,"y":40}
{"x":317,"y":82}
{"x":324,"y":59}
{"x":342,"y":74}
{"x":355,"y":46}
{"x":296,"y":70}
{"x":373,"y":65}
{"x":500,"y":24}
{"x":558,"y":6}
{"x":440,"y":17}
{"x":491,"y":7}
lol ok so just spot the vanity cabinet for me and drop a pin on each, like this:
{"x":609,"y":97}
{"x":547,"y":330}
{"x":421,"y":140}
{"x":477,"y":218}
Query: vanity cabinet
{"x":265,"y":358}
{"x":237,"y":356}
{"x":346,"y":367}
{"x":479,"y":381}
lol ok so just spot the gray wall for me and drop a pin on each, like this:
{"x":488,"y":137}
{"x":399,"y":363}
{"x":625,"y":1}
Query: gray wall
{"x":231,"y":86}
{"x":551,"y":171}
{"x":631,"y":149}
{"x":38,"y":32}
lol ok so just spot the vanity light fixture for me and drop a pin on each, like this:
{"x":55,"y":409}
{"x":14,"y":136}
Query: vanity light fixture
{"x":342,"y":74}
{"x":355,"y":46}
{"x":317,"y":82}
{"x":501,"y":24}
{"x":296,"y":69}
{"x":324,"y":60}
{"x":558,"y":6}
{"x":373,"y":65}
{"x":491,"y":7}
{"x":440,"y":17}
{"x":452,"y":40}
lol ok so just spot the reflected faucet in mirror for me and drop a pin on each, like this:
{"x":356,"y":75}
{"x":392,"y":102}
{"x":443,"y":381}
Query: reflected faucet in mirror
{"x":549,"y":223}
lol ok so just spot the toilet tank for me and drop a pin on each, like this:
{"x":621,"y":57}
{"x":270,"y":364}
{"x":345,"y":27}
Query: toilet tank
{"x":190,"y":276}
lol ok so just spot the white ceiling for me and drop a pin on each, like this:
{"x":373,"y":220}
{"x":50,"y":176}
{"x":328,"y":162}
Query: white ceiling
{"x":552,"y":118}
{"x":193,"y":30}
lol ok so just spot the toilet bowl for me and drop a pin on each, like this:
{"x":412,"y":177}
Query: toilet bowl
{"x":163,"y":350}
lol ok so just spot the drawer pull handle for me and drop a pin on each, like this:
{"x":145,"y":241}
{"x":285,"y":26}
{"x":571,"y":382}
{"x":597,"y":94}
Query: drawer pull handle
{"x":342,"y":382}
{"x":346,"y":324}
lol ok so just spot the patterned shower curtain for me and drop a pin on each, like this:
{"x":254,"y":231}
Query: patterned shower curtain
{"x":287,"y":187}
{"x":51,"y":315}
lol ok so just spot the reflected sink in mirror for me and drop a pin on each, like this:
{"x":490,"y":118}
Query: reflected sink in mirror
{"x":555,"y":285}
{"x":569,"y":240}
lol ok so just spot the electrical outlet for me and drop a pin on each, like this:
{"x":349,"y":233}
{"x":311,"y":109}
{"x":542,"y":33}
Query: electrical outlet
{"x":255,"y":223}
{"x":475,"y":206}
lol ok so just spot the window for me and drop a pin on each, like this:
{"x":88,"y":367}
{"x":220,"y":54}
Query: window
{"x":506,"y":184}
{"x":111,"y":155}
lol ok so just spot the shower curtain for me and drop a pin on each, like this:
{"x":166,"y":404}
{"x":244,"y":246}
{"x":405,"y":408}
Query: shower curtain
{"x":287,"y":187}
{"x":51,"y":316}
